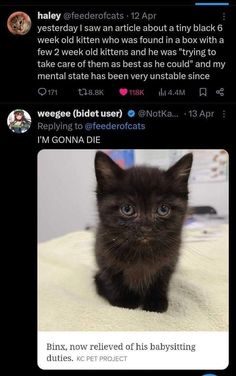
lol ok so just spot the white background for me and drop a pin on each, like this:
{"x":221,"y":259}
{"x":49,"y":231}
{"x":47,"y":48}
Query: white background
{"x":211,"y":350}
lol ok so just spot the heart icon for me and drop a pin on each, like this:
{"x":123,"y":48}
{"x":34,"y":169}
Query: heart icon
{"x":123,"y":91}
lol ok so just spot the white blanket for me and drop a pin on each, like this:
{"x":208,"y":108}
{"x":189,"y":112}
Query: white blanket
{"x":67,"y":299}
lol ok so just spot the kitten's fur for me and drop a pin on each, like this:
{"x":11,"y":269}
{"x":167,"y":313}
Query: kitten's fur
{"x":19,"y":24}
{"x":137,"y":254}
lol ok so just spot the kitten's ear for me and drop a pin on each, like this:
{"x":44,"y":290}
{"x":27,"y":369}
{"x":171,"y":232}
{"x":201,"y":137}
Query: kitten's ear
{"x":180,"y":171}
{"x":107,"y":171}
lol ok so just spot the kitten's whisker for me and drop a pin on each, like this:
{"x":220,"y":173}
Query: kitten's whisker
{"x":115,"y":245}
{"x":194,"y":252}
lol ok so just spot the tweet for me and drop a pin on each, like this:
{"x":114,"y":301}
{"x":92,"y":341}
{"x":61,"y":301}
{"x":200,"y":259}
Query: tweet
{"x":115,"y":129}
{"x":139,"y":32}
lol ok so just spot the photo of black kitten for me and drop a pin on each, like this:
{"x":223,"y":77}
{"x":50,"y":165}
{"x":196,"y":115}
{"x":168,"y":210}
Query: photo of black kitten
{"x":141,"y":212}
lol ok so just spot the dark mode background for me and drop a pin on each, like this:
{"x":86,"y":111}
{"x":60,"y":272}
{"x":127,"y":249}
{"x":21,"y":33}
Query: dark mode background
{"x":19,"y":158}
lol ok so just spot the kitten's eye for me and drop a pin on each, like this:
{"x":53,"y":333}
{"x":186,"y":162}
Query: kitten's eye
{"x":163,"y":210}
{"x":127,"y":209}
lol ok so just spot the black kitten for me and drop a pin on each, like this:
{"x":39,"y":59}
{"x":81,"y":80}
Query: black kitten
{"x":141,"y":212}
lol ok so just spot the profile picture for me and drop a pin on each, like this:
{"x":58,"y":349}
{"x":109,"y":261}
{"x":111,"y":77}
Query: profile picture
{"x":19,"y":121}
{"x":19,"y":23}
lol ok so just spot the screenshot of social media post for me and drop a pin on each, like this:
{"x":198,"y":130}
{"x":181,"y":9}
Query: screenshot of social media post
{"x":115,"y":124}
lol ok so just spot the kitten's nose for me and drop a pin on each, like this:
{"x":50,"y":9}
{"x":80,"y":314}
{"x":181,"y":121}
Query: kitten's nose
{"x":145,"y":229}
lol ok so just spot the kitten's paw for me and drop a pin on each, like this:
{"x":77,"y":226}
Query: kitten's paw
{"x":126,"y":303}
{"x":115,"y":296}
{"x":160,"y":305}
{"x":100,"y":286}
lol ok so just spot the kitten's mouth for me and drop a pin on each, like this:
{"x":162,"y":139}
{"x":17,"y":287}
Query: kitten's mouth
{"x":144,"y":240}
